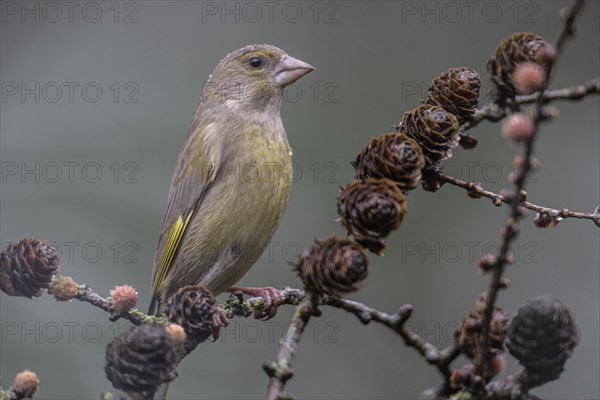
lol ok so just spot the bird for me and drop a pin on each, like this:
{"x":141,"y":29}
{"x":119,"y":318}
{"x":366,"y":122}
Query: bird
{"x":232,"y":178}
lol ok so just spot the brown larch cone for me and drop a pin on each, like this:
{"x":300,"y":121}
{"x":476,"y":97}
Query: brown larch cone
{"x":140,"y":360}
{"x":468,"y":333}
{"x":370,"y":210}
{"x":27,"y":267}
{"x":333,"y":266}
{"x":435,"y":129}
{"x":456,"y":91}
{"x":523,"y":47}
{"x":542,"y":337}
{"x":193,"y":307}
{"x":394,"y":156}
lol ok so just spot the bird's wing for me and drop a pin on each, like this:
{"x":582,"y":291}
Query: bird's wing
{"x":195,"y":172}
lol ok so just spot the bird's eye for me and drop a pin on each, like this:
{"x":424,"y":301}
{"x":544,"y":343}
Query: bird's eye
{"x":255,"y":62}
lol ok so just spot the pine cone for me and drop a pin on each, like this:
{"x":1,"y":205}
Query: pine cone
{"x":516,"y":49}
{"x":434,"y":129}
{"x":27,"y":267}
{"x":333,"y":266}
{"x":542,"y":337}
{"x":456,"y":91}
{"x":467,"y":334}
{"x":193,"y":307}
{"x":370,"y":210}
{"x":394,"y":156}
{"x":140,"y":360}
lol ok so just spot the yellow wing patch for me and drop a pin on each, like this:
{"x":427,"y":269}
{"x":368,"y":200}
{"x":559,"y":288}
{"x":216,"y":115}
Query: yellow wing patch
{"x":176,"y":233}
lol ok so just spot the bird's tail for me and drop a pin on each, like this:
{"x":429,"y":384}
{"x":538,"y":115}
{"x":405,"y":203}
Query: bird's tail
{"x":154,"y":305}
{"x":154,"y":309}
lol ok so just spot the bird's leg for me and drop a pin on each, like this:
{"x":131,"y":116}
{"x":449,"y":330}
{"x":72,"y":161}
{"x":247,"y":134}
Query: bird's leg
{"x":273,"y":298}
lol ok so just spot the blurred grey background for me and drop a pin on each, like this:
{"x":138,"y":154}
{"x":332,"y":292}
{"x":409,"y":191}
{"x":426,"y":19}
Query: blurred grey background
{"x":97,"y":98}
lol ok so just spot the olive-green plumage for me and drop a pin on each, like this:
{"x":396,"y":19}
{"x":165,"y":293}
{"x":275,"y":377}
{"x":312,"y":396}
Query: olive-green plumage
{"x":233,"y":177}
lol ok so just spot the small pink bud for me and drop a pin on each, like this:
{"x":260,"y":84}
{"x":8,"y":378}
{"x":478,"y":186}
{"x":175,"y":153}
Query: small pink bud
{"x":26,"y":384}
{"x":487,"y":263}
{"x":481,"y":302}
{"x":518,"y":128}
{"x":177,"y":334}
{"x":64,"y":289}
{"x":504,"y":283}
{"x":546,"y":56}
{"x":122,"y":299}
{"x":462,"y":377}
{"x":546,"y":220}
{"x":529,"y":78}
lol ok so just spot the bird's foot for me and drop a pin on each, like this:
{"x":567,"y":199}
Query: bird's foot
{"x":272,"y":299}
{"x":219,"y":320}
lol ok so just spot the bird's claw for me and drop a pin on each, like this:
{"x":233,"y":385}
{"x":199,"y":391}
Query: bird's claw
{"x":219,"y":320}
{"x":272,"y":299}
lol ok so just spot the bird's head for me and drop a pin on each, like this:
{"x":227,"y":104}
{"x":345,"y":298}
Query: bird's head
{"x":253,"y":78}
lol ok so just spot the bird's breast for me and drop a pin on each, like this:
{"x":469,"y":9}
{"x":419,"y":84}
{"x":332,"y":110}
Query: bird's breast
{"x":256,"y":180}
{"x":242,"y":208}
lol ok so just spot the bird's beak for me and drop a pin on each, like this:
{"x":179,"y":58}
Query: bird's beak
{"x":290,"y":69}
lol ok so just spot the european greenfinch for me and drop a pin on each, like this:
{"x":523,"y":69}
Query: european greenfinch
{"x":232,"y":179}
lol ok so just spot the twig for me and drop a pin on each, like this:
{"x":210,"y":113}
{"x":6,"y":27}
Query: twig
{"x":440,"y":358}
{"x":280,"y":371}
{"x":233,"y":307}
{"x":510,"y":229}
{"x":236,"y":306}
{"x":493,"y":112}
{"x":475,"y":190}
{"x":576,"y":92}
{"x":136,"y":317}
{"x":511,"y":387}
